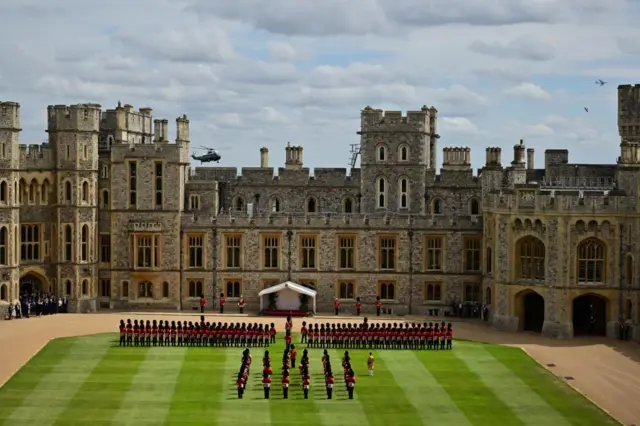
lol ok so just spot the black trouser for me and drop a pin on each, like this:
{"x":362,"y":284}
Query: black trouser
{"x":449,"y":343}
{"x":129,"y":339}
{"x":285,"y":393}
{"x":266,"y":392}
{"x":242,"y":310}
{"x":122,"y":340}
{"x":329,"y":393}
{"x":240,"y":393}
{"x":202,"y":309}
{"x":273,"y":338}
{"x":377,"y":311}
{"x":358,"y":312}
{"x":336,"y":309}
{"x":293,"y":363}
{"x":221,"y":309}
{"x":303,"y":339}
{"x":306,"y":393}
{"x":350,"y":391}
{"x":442,"y":344}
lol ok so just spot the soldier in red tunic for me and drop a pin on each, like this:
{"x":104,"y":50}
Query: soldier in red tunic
{"x":449,"y":336}
{"x":329,"y":383}
{"x":303,"y":332}
{"x":266,"y":383}
{"x":336,"y":305}
{"x":240,"y":385}
{"x":306,"y":382}
{"x":123,"y":333}
{"x":129,"y":333}
{"x":378,"y":305}
{"x":222,"y":303}
{"x":285,"y":384}
{"x":241,"y":304}
{"x":148,"y":333}
{"x":351,"y":383}
{"x":358,"y":306}
{"x":136,"y":333}
{"x":203,"y":302}
{"x":272,"y":333}
{"x":293,"y":354}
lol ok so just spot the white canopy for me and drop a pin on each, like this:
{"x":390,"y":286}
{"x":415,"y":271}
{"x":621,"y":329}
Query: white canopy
{"x":288,"y":295}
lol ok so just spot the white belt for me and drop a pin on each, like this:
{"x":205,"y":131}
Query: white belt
{"x":267,"y":385}
{"x":306,"y":386}
{"x":285,"y":385}
{"x":350,"y":385}
{"x":330,"y":386}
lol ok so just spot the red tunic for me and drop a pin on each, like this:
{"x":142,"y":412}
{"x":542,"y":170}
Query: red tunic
{"x":330,"y":382}
{"x":266,"y":382}
{"x":285,"y":382}
{"x":123,"y":331}
{"x":240,"y":383}
{"x":351,"y":382}
{"x":378,"y":304}
{"x":306,"y":383}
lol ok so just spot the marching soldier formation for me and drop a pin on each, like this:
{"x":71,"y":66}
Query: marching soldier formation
{"x":195,"y":334}
{"x":243,"y":374}
{"x":415,"y":336}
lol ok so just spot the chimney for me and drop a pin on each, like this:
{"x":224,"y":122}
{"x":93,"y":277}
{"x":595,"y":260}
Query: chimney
{"x":164,"y":134}
{"x":264,"y":157}
{"x":157,"y":130}
{"x":518,"y":155}
{"x":299,"y":156}
{"x":530,"y":158}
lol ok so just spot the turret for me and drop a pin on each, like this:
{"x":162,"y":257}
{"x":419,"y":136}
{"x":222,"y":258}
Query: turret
{"x":10,"y":116}
{"x":519,"y":155}
{"x":293,"y":156}
{"x":182,"y":129}
{"x":629,"y":112}
{"x":264,"y":157}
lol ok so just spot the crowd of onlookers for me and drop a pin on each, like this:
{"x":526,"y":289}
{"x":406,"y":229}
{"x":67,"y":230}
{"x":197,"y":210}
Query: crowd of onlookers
{"x":37,"y":304}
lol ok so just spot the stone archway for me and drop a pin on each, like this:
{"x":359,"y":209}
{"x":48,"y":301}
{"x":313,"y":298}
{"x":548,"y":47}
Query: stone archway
{"x":590,"y":315}
{"x":531,"y":307}
{"x":31,"y":283}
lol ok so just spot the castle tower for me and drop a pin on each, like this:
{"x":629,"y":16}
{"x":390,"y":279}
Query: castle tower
{"x":293,"y":157}
{"x":396,"y":152}
{"x":73,"y":135}
{"x":9,"y":201}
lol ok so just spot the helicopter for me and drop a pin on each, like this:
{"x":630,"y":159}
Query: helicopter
{"x":211,"y":155}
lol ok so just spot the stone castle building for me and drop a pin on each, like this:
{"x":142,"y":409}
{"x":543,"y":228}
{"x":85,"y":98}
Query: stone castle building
{"x":110,"y":214}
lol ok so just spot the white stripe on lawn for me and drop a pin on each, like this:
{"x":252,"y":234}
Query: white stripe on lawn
{"x":521,"y":400}
{"x":431,"y":401}
{"x":57,"y":388}
{"x":239,"y":412}
{"x":339,"y":410}
{"x":148,"y":399}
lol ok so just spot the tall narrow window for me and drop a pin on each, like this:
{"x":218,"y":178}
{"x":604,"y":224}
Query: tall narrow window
{"x":4,"y":197}
{"x":85,"y":192}
{"x":403,"y":153}
{"x":3,"y":150}
{"x":105,"y":248}
{"x":403,"y":191}
{"x":434,"y":253}
{"x":308,"y":252}
{"x":381,"y":153}
{"x":347,"y":205}
{"x":347,"y":251}
{"x":159,"y":184}
{"x":381,"y":195}
{"x":144,"y":251}
{"x":271,"y":253}
{"x":234,"y":251}
{"x":44,"y":193}
{"x":275,"y":205}
{"x":133,"y":184}
{"x":194,"y":202}
{"x":29,"y":242}
{"x":4,"y":258}
{"x":387,"y":253}
{"x":472,"y":249}
{"x":84,"y":243}
{"x":105,"y":199}
{"x":68,"y":243}
{"x":312,"y":205}
{"x":32,"y":192}
{"x":67,"y":191}
{"x":105,"y":288}
{"x":85,"y":152}
{"x":196,"y":247}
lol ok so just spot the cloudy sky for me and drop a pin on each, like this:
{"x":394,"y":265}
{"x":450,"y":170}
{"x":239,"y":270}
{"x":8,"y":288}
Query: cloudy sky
{"x":252,"y":73}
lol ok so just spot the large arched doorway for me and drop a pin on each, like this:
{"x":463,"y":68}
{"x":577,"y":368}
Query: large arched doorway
{"x":532,"y":311}
{"x":31,"y":283}
{"x":590,"y":315}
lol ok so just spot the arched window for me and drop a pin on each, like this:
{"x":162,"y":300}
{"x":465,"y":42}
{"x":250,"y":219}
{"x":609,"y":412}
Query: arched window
{"x":67,"y":287}
{"x":195,"y":288}
{"x":381,"y":193}
{"x":238,"y":204}
{"x":275,"y":205}
{"x":3,"y":293}
{"x":4,"y":254}
{"x":4,"y":196}
{"x":347,"y":205}
{"x":68,"y":243}
{"x":591,"y":261}
{"x":32,"y":191}
{"x":387,"y":291}
{"x":67,"y":191}
{"x":403,"y":153}
{"x":531,"y":259}
{"x":194,"y":202}
{"x":474,"y":207}
{"x":312,"y":205}
{"x":436,"y":206}
{"x":145,"y":289}
{"x":22,"y":191}
{"x":84,"y":243}
{"x":85,"y":288}
{"x":628,"y":271}
{"x":489,"y":260}
{"x":403,"y":193}
{"x":381,"y":153}
{"x":85,"y":192}
{"x":44,"y":192}
{"x":105,"y":199}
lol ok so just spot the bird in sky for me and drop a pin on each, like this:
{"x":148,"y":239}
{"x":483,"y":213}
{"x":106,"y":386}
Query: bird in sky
{"x":601,"y":83}
{"x":586,"y":109}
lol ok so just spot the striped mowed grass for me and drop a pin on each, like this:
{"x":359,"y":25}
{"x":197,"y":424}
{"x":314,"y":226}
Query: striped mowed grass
{"x":89,"y":380}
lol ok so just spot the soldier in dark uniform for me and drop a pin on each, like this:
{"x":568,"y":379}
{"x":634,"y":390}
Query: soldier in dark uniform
{"x":240,"y":384}
{"x":161,"y":333}
{"x":154,"y":332}
{"x":129,"y":333}
{"x":136,"y":333}
{"x":266,"y":383}
{"x":174,"y":333}
{"x":329,"y":383}
{"x":123,"y":333}
{"x":148,"y":332}
{"x":285,"y":384}
{"x":351,"y":383}
{"x":306,"y":382}
{"x":180,"y":333}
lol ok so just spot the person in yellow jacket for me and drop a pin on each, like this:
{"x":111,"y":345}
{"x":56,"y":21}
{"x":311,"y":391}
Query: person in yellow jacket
{"x":370,"y":363}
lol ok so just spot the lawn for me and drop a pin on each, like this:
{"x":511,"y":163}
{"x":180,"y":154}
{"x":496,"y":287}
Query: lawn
{"x":91,"y":381}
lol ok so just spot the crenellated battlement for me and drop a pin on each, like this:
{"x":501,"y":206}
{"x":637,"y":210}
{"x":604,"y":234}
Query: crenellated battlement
{"x":34,"y":156}
{"x":80,"y":117}
{"x":377,"y":120}
{"x":10,"y":116}
{"x":629,"y":112}
{"x":282,"y":222}
{"x":252,"y":176}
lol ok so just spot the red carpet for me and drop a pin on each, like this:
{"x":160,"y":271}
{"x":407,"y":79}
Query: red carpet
{"x":278,"y":313}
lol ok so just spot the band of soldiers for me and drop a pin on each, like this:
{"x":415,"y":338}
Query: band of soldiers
{"x":414,"y":336}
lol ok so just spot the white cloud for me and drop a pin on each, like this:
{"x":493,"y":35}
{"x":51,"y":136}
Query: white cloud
{"x":257,"y":72}
{"x":528,"y":91}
